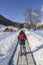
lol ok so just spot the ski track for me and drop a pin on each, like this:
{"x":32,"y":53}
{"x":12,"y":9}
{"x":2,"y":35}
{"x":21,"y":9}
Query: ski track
{"x":36,"y":45}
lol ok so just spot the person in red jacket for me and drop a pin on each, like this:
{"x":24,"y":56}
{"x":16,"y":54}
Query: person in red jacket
{"x":22,"y":38}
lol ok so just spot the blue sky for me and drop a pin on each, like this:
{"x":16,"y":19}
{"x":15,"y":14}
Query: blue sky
{"x":14,"y":9}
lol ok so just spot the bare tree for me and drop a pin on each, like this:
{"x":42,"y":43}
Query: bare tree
{"x":32,"y":17}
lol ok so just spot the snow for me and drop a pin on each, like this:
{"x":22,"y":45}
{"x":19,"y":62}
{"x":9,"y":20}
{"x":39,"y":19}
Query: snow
{"x":7,"y":47}
{"x":8,"y":42}
{"x":1,"y":33}
{"x":5,"y":35}
{"x":39,"y":32}
{"x":36,"y":44}
{"x":2,"y":28}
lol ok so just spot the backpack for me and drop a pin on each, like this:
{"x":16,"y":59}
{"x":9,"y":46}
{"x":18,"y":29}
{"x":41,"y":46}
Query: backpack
{"x":21,"y":36}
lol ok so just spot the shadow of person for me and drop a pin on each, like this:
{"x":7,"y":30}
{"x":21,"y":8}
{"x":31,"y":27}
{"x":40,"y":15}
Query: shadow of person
{"x":25,"y":53}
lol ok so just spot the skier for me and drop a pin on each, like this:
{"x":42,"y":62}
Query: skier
{"x":21,"y":39}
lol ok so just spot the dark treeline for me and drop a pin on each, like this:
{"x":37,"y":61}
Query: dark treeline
{"x":7,"y":22}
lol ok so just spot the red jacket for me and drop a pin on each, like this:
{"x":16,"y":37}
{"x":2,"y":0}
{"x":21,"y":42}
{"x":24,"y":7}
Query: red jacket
{"x":22,"y":36}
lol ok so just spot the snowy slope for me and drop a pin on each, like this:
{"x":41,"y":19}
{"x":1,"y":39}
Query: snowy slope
{"x":2,"y":28}
{"x":8,"y":42}
{"x":36,"y":44}
{"x":4,"y":35}
{"x":7,"y":47}
{"x":39,"y":32}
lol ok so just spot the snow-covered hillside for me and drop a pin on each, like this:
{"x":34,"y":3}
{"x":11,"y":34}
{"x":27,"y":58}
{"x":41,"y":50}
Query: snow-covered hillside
{"x":36,"y":45}
{"x":7,"y":47}
{"x":8,"y":43}
{"x":39,"y":32}
{"x":2,"y":28}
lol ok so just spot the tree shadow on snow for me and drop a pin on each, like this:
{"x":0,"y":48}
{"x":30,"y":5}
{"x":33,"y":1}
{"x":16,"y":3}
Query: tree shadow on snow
{"x":11,"y":60}
{"x":38,"y":48}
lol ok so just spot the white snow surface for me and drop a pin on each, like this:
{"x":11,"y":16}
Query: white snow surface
{"x":7,"y":47}
{"x":36,"y":44}
{"x":39,"y":32}
{"x":2,"y":28}
{"x":8,"y":44}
